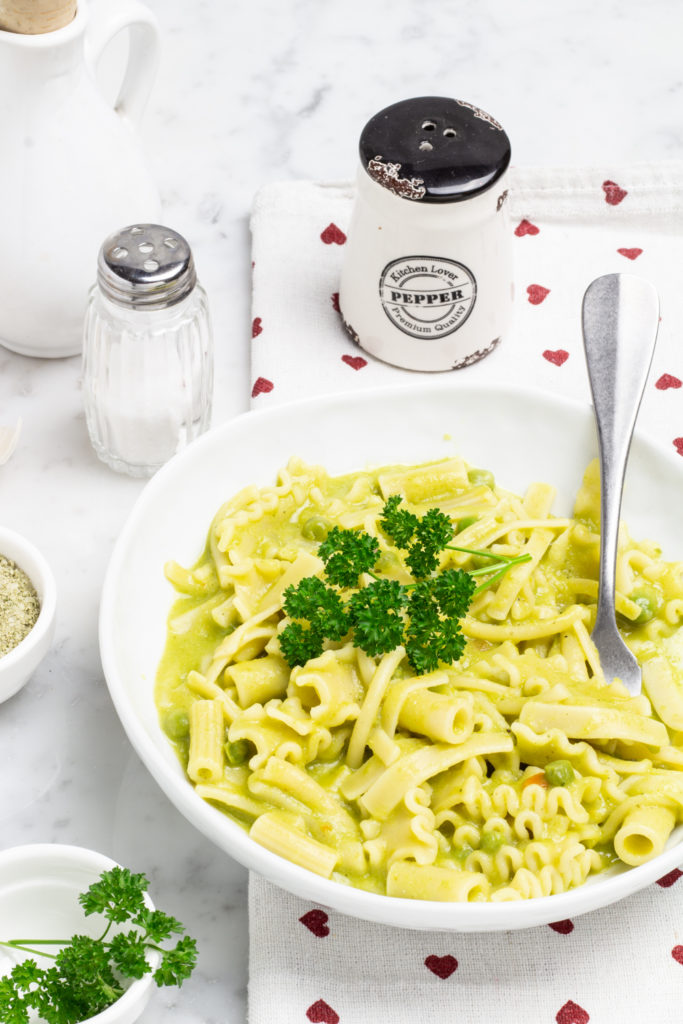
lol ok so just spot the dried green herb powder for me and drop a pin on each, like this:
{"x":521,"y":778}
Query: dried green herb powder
{"x":19,"y":605}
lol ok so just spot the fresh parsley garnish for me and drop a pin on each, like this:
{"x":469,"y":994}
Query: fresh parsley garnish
{"x":375,"y":612}
{"x":423,"y":615}
{"x":87,"y":975}
{"x":347,"y":554}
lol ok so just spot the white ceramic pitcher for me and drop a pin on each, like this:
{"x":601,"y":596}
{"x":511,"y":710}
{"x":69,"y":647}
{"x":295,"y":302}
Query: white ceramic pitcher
{"x":71,"y":171}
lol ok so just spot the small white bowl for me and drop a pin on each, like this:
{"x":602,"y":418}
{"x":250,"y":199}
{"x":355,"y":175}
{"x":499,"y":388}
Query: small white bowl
{"x":17,"y":666}
{"x":39,"y":888}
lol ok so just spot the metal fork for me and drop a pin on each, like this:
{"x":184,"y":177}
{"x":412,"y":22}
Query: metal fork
{"x":620,"y":321}
{"x":8,"y":441}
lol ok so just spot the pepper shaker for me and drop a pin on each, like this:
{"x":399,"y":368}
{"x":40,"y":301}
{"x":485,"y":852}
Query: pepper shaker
{"x":427,"y":275}
{"x":147,"y":351}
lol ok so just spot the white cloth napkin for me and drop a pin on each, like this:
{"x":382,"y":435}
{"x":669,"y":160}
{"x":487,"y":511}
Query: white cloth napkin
{"x":621,"y":964}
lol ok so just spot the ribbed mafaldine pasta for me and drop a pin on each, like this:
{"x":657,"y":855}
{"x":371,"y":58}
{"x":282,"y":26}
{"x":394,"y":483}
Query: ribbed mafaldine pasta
{"x":517,"y":771}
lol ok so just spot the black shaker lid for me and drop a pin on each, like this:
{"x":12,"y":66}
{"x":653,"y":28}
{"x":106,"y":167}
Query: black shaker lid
{"x":434,"y":149}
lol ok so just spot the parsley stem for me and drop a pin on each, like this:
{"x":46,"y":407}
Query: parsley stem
{"x":475,"y":551}
{"x":23,"y":944}
{"x":498,"y":573}
{"x":501,"y":566}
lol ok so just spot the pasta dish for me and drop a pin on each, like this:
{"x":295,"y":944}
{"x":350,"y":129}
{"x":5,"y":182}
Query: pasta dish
{"x":421,"y":754}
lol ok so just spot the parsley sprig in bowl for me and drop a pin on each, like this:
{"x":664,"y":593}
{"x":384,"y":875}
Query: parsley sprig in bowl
{"x":80,"y":939}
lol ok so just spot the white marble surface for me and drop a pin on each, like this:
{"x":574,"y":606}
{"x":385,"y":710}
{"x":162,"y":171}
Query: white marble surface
{"x":250,"y":93}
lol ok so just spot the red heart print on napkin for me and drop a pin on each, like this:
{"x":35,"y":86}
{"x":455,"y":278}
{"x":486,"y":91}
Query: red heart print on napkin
{"x":558,"y":356}
{"x":666,"y":381}
{"x":677,"y":954}
{"x":335,"y":302}
{"x":630,"y":254}
{"x":256,"y":327}
{"x":261,"y":386}
{"x":678,"y":445}
{"x":355,"y":362}
{"x":537,"y":293}
{"x":333,"y":234}
{"x":525,"y":227}
{"x":562,"y":927}
{"x":441,"y":966}
{"x":321,"y":1012}
{"x":668,"y":880}
{"x":572,"y":1013}
{"x":613,"y":193}
{"x":316,"y":922}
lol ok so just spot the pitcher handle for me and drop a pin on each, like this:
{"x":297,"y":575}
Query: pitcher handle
{"x":106,"y":20}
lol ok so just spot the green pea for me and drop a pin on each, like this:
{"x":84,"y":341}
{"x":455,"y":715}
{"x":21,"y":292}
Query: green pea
{"x":491,"y":841}
{"x":559,"y":773}
{"x":649,"y":601}
{"x":316,"y":528}
{"x":177,"y":724}
{"x":238,"y":753}
{"x":481,"y":476}
{"x":465,"y":522}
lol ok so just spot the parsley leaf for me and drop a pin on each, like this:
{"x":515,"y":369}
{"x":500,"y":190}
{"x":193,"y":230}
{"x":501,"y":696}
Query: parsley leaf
{"x":300,"y":643}
{"x":398,"y":523}
{"x":453,"y":590}
{"x":348,"y":553}
{"x":376,"y":616}
{"x":128,"y":953}
{"x":118,"y":895}
{"x":423,"y":538}
{"x":322,"y":606}
{"x":178,"y":963}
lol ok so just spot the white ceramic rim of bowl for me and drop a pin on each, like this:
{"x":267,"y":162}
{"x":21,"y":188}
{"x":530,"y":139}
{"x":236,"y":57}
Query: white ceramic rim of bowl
{"x":599,"y":891}
{"x":41,"y":857}
{"x":36,"y":643}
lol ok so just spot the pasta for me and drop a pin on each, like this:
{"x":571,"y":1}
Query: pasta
{"x":517,"y":771}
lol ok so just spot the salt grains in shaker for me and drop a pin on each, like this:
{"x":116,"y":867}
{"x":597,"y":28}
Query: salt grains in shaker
{"x":147,"y":351}
{"x":427,"y":275}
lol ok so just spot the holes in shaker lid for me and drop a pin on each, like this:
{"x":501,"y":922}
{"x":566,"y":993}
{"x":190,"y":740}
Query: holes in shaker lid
{"x":450,"y":133}
{"x":426,"y":147}
{"x":151,"y":265}
{"x":146,"y":248}
{"x":428,"y":126}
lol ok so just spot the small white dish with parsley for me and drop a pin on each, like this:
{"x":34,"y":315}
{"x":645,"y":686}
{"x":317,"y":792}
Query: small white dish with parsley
{"x":80,"y":939}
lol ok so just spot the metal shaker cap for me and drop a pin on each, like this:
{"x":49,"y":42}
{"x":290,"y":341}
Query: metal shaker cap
{"x":146,"y":266}
{"x":434,"y":150}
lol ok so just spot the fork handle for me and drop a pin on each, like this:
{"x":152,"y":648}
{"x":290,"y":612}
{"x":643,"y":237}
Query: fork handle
{"x":620,"y":317}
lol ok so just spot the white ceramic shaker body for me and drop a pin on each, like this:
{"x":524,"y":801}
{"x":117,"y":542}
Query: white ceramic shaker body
{"x":427,"y":278}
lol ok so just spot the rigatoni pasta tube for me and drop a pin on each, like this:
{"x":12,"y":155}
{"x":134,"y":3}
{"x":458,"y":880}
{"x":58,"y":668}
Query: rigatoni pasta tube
{"x":438,"y":715}
{"x":427,"y":882}
{"x":207,"y":735}
{"x":273,"y":831}
{"x":643,"y":834}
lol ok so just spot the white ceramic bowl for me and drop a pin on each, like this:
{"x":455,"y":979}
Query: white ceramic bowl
{"x":520,"y":435}
{"x":39,"y":888}
{"x":17,"y":666}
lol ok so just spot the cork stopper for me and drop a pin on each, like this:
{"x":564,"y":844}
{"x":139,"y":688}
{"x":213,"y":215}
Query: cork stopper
{"x":34,"y":17}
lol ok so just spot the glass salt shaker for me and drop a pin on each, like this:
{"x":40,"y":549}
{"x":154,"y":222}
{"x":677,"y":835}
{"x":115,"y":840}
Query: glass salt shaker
{"x":427,"y":275}
{"x":147,"y":350}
